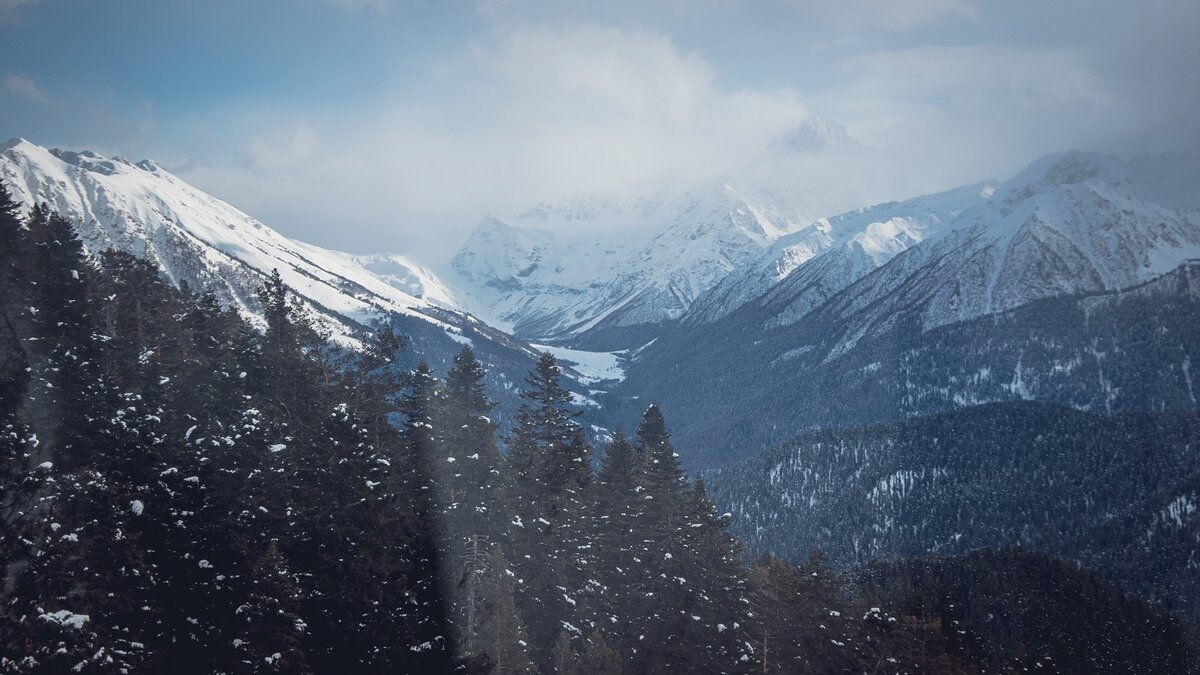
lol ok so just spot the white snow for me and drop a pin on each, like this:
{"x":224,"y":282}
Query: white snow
{"x":66,"y":618}
{"x":592,"y":366}
{"x":522,"y":274}
{"x":194,"y":237}
{"x":831,"y":253}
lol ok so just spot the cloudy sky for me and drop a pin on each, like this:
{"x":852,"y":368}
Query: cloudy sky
{"x":395,"y":125}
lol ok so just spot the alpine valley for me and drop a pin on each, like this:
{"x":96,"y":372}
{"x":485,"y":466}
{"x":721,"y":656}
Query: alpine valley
{"x":1004,"y":365}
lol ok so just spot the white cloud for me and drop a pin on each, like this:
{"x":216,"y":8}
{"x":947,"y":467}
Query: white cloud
{"x":282,"y":147}
{"x":958,"y":113}
{"x":540,"y":113}
{"x":19,"y":84}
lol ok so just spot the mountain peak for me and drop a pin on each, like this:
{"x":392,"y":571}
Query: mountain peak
{"x":813,"y":135}
{"x":12,"y":143}
{"x":1070,"y":168}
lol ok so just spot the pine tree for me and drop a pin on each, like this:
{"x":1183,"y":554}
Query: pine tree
{"x":286,"y":372}
{"x":15,"y":319}
{"x":618,"y":538}
{"x":660,"y":584}
{"x":718,"y":603}
{"x":563,"y":659}
{"x":548,"y":474}
{"x":419,"y":440}
{"x":467,"y":452}
{"x":19,"y":482}
{"x":598,"y":658}
{"x":501,"y":633}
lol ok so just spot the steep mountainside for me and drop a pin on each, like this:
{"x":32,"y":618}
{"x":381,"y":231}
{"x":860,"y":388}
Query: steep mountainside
{"x":198,"y":239}
{"x":195,"y":238}
{"x":1116,"y":494}
{"x":990,"y":310}
{"x":1120,"y":351}
{"x":1068,"y":224}
{"x":831,"y":253}
{"x":529,"y":277}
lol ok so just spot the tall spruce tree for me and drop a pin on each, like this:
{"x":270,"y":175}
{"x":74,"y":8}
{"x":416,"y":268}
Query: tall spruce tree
{"x":548,"y":474}
{"x":467,"y":452}
{"x":501,"y":641}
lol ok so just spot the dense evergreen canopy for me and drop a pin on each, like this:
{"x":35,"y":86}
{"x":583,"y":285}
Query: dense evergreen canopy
{"x":182,"y":492}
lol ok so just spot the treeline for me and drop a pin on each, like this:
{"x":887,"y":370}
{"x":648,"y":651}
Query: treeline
{"x":1072,"y":621}
{"x":1116,"y":494}
{"x":181,"y":491}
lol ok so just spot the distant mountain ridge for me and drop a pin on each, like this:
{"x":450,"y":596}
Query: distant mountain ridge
{"x":849,"y":246}
{"x":601,"y":272}
{"x":1068,"y":284}
{"x":529,"y":277}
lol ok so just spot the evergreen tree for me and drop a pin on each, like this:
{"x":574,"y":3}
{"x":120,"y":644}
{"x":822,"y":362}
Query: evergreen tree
{"x":15,"y":329}
{"x":286,"y":372}
{"x":598,"y":658}
{"x":618,"y":537}
{"x":548,"y":473}
{"x":467,"y":452}
{"x":563,"y":659}
{"x":501,"y":633}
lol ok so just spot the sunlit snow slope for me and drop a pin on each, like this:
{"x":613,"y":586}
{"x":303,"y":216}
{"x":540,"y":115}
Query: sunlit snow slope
{"x":195,"y":238}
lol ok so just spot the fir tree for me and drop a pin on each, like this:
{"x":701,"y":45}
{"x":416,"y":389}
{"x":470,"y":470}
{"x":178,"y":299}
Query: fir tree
{"x":598,"y":658}
{"x":548,"y":474}
{"x":501,"y":632}
{"x":467,"y":452}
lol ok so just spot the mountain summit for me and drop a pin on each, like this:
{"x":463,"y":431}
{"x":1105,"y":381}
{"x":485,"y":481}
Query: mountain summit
{"x":527,"y":275}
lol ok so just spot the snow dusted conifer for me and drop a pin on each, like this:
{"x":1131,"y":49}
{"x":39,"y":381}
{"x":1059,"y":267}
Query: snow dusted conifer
{"x":501,"y":637}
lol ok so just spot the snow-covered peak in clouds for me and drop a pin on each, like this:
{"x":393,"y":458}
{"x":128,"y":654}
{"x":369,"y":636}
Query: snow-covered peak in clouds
{"x":854,"y":244}
{"x":572,"y":273}
{"x":815,"y":134}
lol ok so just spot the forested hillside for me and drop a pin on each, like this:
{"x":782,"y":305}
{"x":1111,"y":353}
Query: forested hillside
{"x":1116,"y":494}
{"x":180,"y":492}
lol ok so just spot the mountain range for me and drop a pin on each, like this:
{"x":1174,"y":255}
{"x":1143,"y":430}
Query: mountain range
{"x":825,"y":369}
{"x":1059,"y":285}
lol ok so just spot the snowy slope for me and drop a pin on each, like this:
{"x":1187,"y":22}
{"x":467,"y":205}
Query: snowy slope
{"x":803,"y":269}
{"x":989,"y":307}
{"x":527,"y":276}
{"x":607,"y":273}
{"x":1068,"y":224}
{"x":194,"y":237}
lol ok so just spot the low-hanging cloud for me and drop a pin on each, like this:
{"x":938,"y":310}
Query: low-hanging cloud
{"x":532,"y":110}
{"x":19,"y":84}
{"x":540,"y":113}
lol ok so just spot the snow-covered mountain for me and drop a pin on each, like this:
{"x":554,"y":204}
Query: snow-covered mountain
{"x":831,"y":253}
{"x":991,"y":306}
{"x":526,"y":275}
{"x":604,"y":272}
{"x":1068,"y":224}
{"x":144,"y":209}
